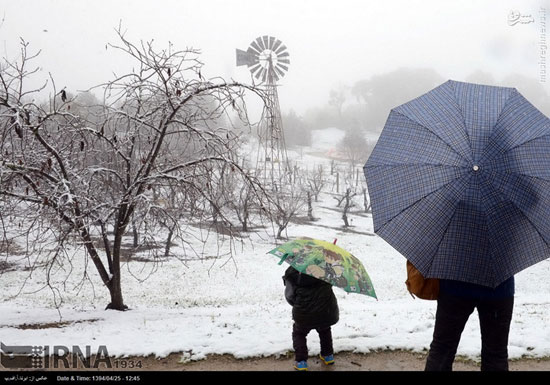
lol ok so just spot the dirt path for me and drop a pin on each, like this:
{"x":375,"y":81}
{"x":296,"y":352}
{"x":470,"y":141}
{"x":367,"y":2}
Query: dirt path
{"x":383,"y":361}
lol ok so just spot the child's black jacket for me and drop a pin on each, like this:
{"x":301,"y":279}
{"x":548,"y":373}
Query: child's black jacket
{"x":313,"y":302}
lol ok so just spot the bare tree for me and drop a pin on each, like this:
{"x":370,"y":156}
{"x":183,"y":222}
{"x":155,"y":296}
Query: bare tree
{"x":316,"y":182}
{"x":162,"y":124}
{"x":285,"y":202}
{"x":347,"y":199}
{"x":242,"y":201}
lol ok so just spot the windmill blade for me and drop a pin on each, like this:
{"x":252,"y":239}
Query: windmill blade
{"x":276,"y":45}
{"x":260,"y":43}
{"x":284,"y":54}
{"x":271,"y":43}
{"x":280,"y":73}
{"x":255,"y":68}
{"x":256,"y":47}
{"x":281,"y":49}
{"x":283,"y":67}
{"x":257,"y":72}
{"x":252,"y":52}
{"x":262,"y":74}
{"x":286,"y":61}
{"x":265,"y":39}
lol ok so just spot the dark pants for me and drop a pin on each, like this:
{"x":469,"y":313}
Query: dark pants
{"x":452,"y":313}
{"x":299,"y":341}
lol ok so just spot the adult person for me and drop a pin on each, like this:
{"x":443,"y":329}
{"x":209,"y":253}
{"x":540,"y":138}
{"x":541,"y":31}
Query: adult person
{"x":456,"y":302}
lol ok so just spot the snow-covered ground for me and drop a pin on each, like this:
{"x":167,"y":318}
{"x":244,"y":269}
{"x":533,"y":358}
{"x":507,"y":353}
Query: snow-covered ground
{"x":236,"y":306}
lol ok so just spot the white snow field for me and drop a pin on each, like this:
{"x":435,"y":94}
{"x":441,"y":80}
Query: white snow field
{"x":236,"y":305}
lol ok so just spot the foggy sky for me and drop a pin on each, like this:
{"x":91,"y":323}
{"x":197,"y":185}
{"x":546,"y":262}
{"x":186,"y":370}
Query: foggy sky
{"x":331,"y":43}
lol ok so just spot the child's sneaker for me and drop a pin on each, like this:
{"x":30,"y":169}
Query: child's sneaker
{"x":328,"y":360}
{"x":300,"y":365}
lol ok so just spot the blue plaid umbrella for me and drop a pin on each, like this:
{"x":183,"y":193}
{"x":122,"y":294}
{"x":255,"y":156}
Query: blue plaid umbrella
{"x":460,"y":183}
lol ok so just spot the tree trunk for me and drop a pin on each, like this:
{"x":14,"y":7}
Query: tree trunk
{"x":214,"y":213}
{"x":245,"y":218}
{"x":366,"y":202}
{"x":309,"y":207}
{"x":169,"y":241}
{"x":347,"y":206}
{"x":135,"y":234}
{"x":111,"y":279}
{"x":115,"y":288}
{"x":345,"y":218}
{"x":107,"y":247}
{"x":280,"y":231}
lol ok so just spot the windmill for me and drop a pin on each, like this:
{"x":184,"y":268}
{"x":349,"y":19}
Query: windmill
{"x":267,"y":59}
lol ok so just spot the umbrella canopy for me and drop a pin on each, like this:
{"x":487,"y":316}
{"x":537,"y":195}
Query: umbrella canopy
{"x":327,"y":262}
{"x":460,"y":183}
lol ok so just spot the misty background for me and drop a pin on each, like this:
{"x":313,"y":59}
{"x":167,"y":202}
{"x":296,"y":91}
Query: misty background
{"x":98,"y":195}
{"x":351,"y":60}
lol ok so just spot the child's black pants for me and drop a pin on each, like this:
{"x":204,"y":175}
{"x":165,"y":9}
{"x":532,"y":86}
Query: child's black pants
{"x":299,"y":341}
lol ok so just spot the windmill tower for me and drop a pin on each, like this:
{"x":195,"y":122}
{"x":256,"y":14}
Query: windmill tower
{"x":267,"y":59}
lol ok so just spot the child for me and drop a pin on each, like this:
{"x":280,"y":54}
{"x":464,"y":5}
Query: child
{"x":314,"y":306}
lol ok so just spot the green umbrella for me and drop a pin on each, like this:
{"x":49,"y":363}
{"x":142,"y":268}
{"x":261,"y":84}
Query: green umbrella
{"x":327,"y":262}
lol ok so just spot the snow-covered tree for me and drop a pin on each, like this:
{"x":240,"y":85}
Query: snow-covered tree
{"x":161,"y":129}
